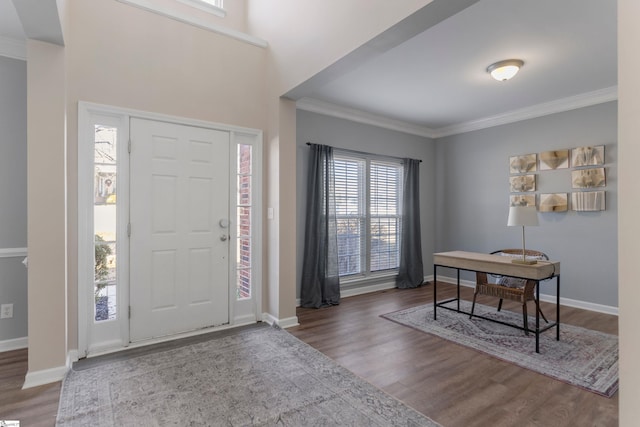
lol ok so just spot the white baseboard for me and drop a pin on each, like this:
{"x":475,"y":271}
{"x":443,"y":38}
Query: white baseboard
{"x":14,"y":344}
{"x":585,"y":305}
{"x":244,"y":320}
{"x":346,"y":293}
{"x":44,"y":376}
{"x":283,"y":323}
{"x":72,"y":356}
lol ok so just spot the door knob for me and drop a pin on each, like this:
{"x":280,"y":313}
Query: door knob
{"x":224,"y":237}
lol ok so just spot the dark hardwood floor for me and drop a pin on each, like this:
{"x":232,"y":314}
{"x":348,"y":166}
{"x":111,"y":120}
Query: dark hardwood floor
{"x":35,"y":406}
{"x":449,"y":383}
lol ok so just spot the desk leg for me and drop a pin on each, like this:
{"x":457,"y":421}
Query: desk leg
{"x":458,"y":291}
{"x":558,"y":308}
{"x":435,"y":299}
{"x":537,"y":317}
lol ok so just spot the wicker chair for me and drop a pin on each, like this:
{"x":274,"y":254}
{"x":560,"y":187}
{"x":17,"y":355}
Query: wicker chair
{"x":520,"y":290}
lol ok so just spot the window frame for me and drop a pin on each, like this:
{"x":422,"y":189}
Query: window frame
{"x":365,"y":272}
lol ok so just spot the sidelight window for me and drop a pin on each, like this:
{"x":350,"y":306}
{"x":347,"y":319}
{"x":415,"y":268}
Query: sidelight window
{"x":105,"y":223}
{"x":244,"y":211}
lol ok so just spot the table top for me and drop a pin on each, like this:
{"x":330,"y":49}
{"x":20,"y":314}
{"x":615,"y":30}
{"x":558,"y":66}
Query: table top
{"x":496,"y":264}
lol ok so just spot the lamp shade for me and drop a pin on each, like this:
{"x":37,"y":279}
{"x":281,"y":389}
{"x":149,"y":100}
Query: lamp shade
{"x":522,"y":216}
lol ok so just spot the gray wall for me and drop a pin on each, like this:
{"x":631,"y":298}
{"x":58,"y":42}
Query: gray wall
{"x":473,"y":196}
{"x":13,"y":193}
{"x":339,"y":133}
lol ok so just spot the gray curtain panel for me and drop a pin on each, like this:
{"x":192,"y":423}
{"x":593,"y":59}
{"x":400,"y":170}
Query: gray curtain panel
{"x":411,"y":270}
{"x":320,"y":279}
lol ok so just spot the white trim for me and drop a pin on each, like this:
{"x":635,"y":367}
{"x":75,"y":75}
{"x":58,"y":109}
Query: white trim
{"x":116,"y":329}
{"x":45,"y":376}
{"x":584,"y":305}
{"x":72,"y":357}
{"x":14,"y":344}
{"x":360,"y":290}
{"x":283,"y":323}
{"x":190,"y":20}
{"x":103,"y":109}
{"x":13,"y":48}
{"x":246,"y":319}
{"x":110,"y":350}
{"x":86,"y":113}
{"x":560,"y":105}
{"x":359,"y":116}
{"x":13,"y":252}
{"x":346,"y":293}
{"x":205,"y":7}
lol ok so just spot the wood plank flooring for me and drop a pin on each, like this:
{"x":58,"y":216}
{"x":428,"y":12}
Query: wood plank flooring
{"x":451,"y":384}
{"x":35,"y":406}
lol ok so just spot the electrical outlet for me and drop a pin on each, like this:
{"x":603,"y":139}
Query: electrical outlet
{"x":6,"y":311}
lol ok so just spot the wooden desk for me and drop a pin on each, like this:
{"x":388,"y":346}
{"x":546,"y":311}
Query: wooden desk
{"x":502,"y":265}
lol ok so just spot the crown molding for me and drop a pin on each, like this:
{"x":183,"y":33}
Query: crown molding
{"x":557,"y":106}
{"x":566,"y":104}
{"x":359,"y":116}
{"x":13,"y":48}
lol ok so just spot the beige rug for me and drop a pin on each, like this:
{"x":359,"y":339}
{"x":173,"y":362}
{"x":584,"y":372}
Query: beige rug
{"x":261,"y":376}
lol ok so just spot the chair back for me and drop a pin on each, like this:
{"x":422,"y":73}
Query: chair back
{"x":528,"y":253}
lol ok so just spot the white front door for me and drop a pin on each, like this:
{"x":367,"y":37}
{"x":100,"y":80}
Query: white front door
{"x":179,"y":214}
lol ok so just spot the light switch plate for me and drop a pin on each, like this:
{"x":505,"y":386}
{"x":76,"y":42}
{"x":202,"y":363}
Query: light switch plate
{"x":6,"y":311}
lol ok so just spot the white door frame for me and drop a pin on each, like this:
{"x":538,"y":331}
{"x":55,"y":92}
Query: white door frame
{"x":106,"y":336}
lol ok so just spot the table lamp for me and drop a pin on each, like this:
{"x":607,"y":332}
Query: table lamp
{"x":523,"y":216}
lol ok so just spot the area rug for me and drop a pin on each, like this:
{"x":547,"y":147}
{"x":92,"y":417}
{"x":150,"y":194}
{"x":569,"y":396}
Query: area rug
{"x":584,"y":358}
{"x":261,"y":376}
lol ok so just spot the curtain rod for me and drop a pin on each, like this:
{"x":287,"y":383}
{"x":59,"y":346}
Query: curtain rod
{"x":364,"y":152}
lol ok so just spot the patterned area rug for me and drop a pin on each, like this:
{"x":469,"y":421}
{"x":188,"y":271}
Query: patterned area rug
{"x":261,"y":376}
{"x":584,"y":358}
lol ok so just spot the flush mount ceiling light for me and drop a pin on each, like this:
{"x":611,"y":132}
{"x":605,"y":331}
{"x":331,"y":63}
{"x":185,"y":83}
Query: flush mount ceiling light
{"x":504,"y":70}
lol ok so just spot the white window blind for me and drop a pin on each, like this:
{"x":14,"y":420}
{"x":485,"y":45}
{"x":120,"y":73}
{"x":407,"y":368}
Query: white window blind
{"x":384,"y":196}
{"x":368,"y":211}
{"x":350,"y":214}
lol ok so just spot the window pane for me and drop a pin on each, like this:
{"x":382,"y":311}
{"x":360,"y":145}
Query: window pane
{"x":244,"y":190}
{"x":243,"y":287}
{"x":349,"y":187}
{"x":349,"y":245}
{"x":244,"y":159}
{"x":385,"y":189}
{"x":104,"y":222}
{"x":385,"y":250}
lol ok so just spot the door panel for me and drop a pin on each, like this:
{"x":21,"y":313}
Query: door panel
{"x":179,"y":263}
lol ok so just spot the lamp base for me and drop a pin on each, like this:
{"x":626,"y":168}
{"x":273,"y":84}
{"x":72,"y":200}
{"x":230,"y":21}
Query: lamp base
{"x":524,"y":261}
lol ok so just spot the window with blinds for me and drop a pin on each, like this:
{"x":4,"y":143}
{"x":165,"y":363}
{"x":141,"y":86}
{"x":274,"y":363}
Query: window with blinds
{"x":368,"y":194}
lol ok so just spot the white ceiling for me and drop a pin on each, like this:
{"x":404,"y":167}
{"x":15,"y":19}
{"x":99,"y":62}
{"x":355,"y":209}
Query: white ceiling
{"x":437,"y":80}
{"x":10,"y":26}
{"x":435,"y":83}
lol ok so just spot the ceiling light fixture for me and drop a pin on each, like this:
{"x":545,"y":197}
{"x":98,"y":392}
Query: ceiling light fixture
{"x":504,"y":70}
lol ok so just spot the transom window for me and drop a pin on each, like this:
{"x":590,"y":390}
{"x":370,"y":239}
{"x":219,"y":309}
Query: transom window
{"x":211,"y":6}
{"x":368,"y":194}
